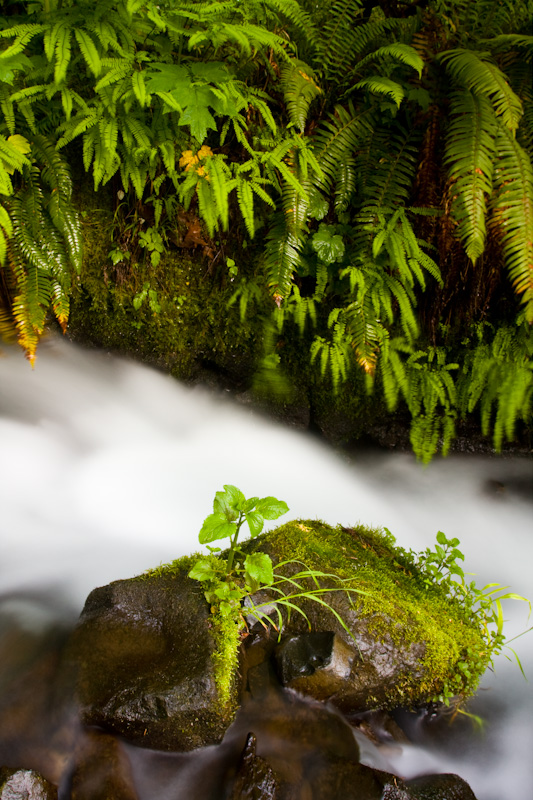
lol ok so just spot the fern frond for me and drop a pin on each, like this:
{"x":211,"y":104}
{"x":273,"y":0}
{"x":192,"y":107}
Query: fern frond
{"x":512,"y":213}
{"x":482,"y":77}
{"x":299,"y":89}
{"x":335,"y":354}
{"x":396,"y":51}
{"x":498,"y":377}
{"x":377,"y":84}
{"x":89,"y":51}
{"x":387,"y":166}
{"x":470,"y":153}
{"x":337,"y":139}
{"x":365,"y":332}
{"x":335,"y":47}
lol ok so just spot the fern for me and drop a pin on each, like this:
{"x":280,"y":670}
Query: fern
{"x":498,"y":378}
{"x":477,"y":73}
{"x":512,"y":213}
{"x":299,"y":90}
{"x":45,"y":244}
{"x":470,"y":153}
{"x":397,"y":51}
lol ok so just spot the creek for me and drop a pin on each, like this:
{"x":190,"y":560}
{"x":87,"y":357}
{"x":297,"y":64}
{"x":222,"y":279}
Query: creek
{"x":108,"y":468}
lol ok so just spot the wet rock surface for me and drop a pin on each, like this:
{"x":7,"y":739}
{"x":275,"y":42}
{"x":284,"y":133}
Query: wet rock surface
{"x":142,"y":657}
{"x":255,"y":779}
{"x":427,"y":787}
{"x":25,"y":784}
{"x":391,"y":645}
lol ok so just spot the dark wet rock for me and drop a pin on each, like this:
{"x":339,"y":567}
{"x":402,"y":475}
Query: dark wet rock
{"x":25,"y":784}
{"x":143,"y":654}
{"x":317,"y":664}
{"x":427,"y":787}
{"x":255,"y":779}
{"x":37,"y":723}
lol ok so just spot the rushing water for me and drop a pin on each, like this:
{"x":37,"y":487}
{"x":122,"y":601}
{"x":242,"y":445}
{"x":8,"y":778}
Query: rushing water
{"x":107,"y":468}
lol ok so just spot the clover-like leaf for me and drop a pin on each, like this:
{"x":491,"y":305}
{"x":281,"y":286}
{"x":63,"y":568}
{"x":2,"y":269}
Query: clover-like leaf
{"x":203,"y":570}
{"x":327,"y":244}
{"x":229,"y":502}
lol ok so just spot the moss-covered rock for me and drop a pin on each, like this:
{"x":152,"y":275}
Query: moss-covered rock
{"x":155,"y":665}
{"x":405,"y":640}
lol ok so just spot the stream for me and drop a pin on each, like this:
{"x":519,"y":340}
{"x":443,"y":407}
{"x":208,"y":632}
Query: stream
{"x":108,"y":467}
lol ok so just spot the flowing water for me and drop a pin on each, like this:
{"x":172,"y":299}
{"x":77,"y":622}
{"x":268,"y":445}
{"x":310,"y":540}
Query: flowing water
{"x":108,"y":468}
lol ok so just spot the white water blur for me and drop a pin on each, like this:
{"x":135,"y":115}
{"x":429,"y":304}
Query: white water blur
{"x":108,"y":468}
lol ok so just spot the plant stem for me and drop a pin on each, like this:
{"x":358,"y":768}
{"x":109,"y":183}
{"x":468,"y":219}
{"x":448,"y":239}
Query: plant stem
{"x":233,"y":542}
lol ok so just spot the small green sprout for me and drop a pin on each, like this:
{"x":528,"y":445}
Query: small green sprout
{"x":227,"y":582}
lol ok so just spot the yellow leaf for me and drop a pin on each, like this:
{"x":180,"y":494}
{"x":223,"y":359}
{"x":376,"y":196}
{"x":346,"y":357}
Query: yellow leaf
{"x":204,"y":151}
{"x":19,"y":143}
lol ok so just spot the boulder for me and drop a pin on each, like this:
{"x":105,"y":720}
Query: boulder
{"x":384,"y":640}
{"x":25,"y":784}
{"x":154,"y":665}
{"x":143,"y":657}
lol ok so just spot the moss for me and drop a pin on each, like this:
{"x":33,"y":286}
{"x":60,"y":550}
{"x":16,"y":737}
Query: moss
{"x":397,"y":604}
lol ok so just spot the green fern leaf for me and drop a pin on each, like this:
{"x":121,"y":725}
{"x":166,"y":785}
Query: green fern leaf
{"x":377,"y":84}
{"x":88,"y":51}
{"x":397,"y":51}
{"x":484,"y":78}
{"x":470,"y":152}
{"x":512,"y":213}
{"x":299,"y":90}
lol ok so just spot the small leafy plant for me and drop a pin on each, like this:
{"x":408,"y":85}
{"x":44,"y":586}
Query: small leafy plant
{"x":440,"y":567}
{"x":228,"y":582}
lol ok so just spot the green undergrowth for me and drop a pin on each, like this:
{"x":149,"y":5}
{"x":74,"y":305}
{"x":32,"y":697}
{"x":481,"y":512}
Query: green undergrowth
{"x":173,"y":314}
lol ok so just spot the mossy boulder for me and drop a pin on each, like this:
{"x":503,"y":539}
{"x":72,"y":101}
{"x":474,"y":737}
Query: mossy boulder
{"x":143,"y":654}
{"x":406,"y":641}
{"x":157,"y":667}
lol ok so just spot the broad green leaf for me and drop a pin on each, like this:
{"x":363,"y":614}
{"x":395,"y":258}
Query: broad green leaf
{"x":235,"y":497}
{"x":199,"y":119}
{"x":255,"y":522}
{"x":223,"y":591}
{"x":216,"y":527}
{"x":168,"y":78}
{"x":327,"y":244}
{"x":271,"y":508}
{"x":441,"y":538}
{"x":202,"y":571}
{"x":20,"y":143}
{"x":259,"y":567}
{"x":210,"y":71}
{"x":318,"y":205}
{"x":222,"y":505}
{"x":9,"y":66}
{"x":250,"y":504}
